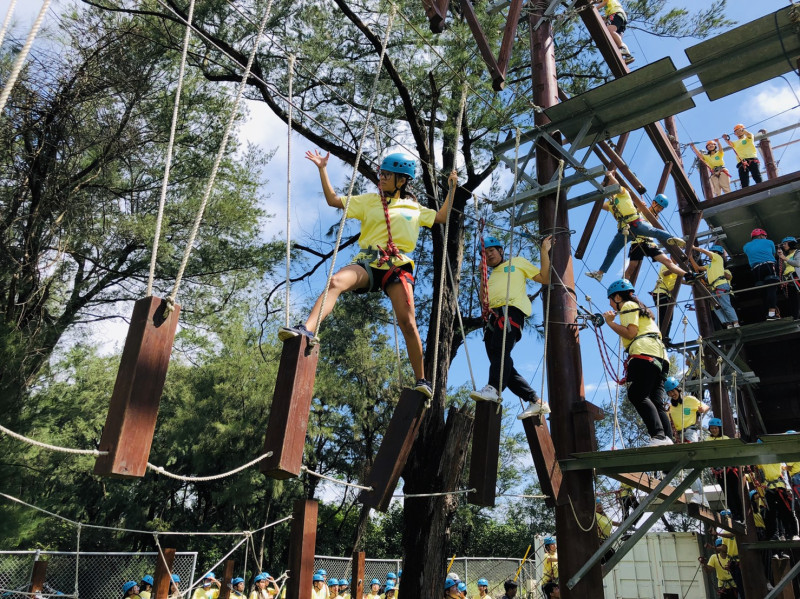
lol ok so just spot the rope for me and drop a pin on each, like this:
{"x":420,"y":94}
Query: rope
{"x":57,"y":448}
{"x":220,"y":153}
{"x":335,"y":480}
{"x":170,"y":145}
{"x":442,"y":494}
{"x":578,"y":522}
{"x":461,"y":327}
{"x":23,"y":54}
{"x":7,"y":20}
{"x":355,"y":168}
{"x":289,"y":189}
{"x":451,"y":193}
{"x":202,"y":479}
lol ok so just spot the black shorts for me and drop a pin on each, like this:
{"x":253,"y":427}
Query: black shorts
{"x":640,"y":250}
{"x":376,"y":276}
{"x":619,"y":21}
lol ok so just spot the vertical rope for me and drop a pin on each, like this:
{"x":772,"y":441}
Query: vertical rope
{"x":23,"y":54}
{"x":355,"y":168}
{"x":217,"y":161}
{"x":700,"y":366}
{"x":170,"y":145}
{"x":7,"y":20}
{"x":289,"y":189}
{"x":77,"y":559}
{"x":463,"y":333}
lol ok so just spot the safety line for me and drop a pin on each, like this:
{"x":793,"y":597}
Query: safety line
{"x":290,"y":94}
{"x":22,"y":55}
{"x":442,"y":494}
{"x":7,"y":20}
{"x":335,"y":480}
{"x":200,"y":479}
{"x":35,"y":443}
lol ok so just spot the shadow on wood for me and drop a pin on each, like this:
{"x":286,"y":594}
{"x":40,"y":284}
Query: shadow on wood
{"x":485,"y":453}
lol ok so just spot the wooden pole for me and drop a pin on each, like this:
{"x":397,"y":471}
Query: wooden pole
{"x":302,"y":542}
{"x":766,"y":151}
{"x":227,"y":576}
{"x":357,"y":574}
{"x":163,"y":578}
{"x":38,"y":576}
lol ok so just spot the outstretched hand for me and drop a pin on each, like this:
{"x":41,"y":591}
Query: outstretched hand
{"x":609,"y":316}
{"x":317,"y":158}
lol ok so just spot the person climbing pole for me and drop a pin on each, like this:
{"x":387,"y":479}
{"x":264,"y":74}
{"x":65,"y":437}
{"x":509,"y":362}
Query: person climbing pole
{"x":390,"y":223}
{"x":760,"y":253}
{"x":616,"y":22}
{"x":647,"y":364}
{"x":719,"y":280}
{"x":714,"y":159}
{"x":630,"y":224}
{"x":642,"y":246}
{"x":508,"y":280}
{"x":727,"y":478}
{"x":662,"y":298}
{"x":744,"y":146}
{"x":787,"y":253}
{"x":719,"y":564}
{"x":550,"y":561}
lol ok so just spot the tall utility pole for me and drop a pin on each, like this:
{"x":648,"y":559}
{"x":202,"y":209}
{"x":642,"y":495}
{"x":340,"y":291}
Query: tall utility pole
{"x":572,"y":419}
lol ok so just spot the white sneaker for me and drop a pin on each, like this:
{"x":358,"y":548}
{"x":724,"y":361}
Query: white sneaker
{"x":537,"y":408}
{"x":597,"y":275}
{"x":796,"y":538}
{"x":677,"y":241}
{"x":657,"y":442}
{"x":488,"y":393}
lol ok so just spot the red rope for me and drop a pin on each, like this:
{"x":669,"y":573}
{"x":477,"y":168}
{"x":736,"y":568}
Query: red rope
{"x":391,"y":250}
{"x":606,"y":359}
{"x":485,"y":310}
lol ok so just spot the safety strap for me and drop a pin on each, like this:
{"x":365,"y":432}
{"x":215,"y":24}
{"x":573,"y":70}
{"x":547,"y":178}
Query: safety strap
{"x":391,"y":250}
{"x":406,"y":280}
{"x":497,"y":320}
{"x":485,"y":310}
{"x":719,"y":278}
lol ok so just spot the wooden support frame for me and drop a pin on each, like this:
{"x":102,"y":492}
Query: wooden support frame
{"x":394,"y":450}
{"x":485,"y":453}
{"x":544,"y":459}
{"x":227,"y":576}
{"x":357,"y":574}
{"x":38,"y":576}
{"x":302,"y":544}
{"x":784,"y":576}
{"x":163,"y":576}
{"x":131,"y":421}
{"x":291,"y":404}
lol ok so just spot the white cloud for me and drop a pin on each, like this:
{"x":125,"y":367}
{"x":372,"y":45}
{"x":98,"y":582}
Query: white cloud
{"x":773,"y":99}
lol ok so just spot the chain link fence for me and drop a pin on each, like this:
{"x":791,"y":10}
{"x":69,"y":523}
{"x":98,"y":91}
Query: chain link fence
{"x":100,"y":575}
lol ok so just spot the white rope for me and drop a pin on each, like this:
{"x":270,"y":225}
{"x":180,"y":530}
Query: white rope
{"x":355,"y":168}
{"x":7,"y":20}
{"x":199,"y":581}
{"x":23,"y":54}
{"x":220,"y":154}
{"x":170,"y":145}
{"x":335,"y":480}
{"x":57,"y":448}
{"x":578,"y":522}
{"x":461,"y":327}
{"x":289,"y":189}
{"x":201,"y":479}
{"x":442,"y":494}
{"x":77,"y":557}
{"x":524,"y":496}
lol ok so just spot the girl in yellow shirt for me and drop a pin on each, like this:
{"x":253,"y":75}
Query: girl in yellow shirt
{"x":744,"y":146}
{"x":714,"y":159}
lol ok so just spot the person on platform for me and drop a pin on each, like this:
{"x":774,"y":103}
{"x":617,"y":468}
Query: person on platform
{"x":550,"y":561}
{"x":616,"y":22}
{"x":683,"y":412}
{"x":714,"y":159}
{"x":728,"y":477}
{"x":787,"y":253}
{"x":604,"y":527}
{"x":627,"y":498}
{"x":374,"y":589}
{"x":210,"y":588}
{"x":719,"y":280}
{"x":647,"y":359}
{"x":318,"y":588}
{"x":719,"y":564}
{"x":237,"y":588}
{"x":757,"y":503}
{"x":551,"y":591}
{"x":510,"y":587}
{"x":760,"y":253}
{"x":779,"y":502}
{"x":643,"y":246}
{"x":130,"y":590}
{"x":630,"y":225}
{"x":505,"y":300}
{"x":744,"y":146}
{"x":146,"y":586}
{"x":483,"y":589}
{"x":662,"y":298}
{"x":390,"y":224}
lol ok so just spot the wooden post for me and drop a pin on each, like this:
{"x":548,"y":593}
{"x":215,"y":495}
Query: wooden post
{"x":622,"y":141}
{"x":485,"y":453}
{"x":662,"y":183}
{"x":766,"y":151}
{"x":705,"y":179}
{"x":163,"y":577}
{"x":544,"y":459}
{"x":38,"y":576}
{"x":394,"y":450}
{"x":622,"y":167}
{"x":291,"y":404}
{"x":302,"y":543}
{"x":227,"y":576}
{"x":780,"y":568}
{"x":591,"y":223}
{"x":131,"y":421}
{"x":357,"y":574}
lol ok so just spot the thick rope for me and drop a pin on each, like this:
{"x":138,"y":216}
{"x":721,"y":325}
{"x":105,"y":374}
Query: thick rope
{"x":356,"y":162}
{"x":442,"y":494}
{"x":23,"y":54}
{"x":170,"y":145}
{"x":397,"y":350}
{"x":461,"y":327}
{"x":57,"y":448}
{"x":201,"y":479}
{"x":7,"y":20}
{"x":289,"y":189}
{"x":335,"y":480}
{"x":445,"y":244}
{"x":578,"y":522}
{"x":220,"y":154}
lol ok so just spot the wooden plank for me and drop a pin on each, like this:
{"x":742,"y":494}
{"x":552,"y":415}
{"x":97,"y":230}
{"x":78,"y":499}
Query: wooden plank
{"x":662,"y":183}
{"x":480,"y":38}
{"x":509,"y":34}
{"x":357,"y":574}
{"x":227,"y":576}
{"x":622,"y":167}
{"x":780,"y":568}
{"x":163,"y":577}
{"x":394,"y":450}
{"x":131,"y":421}
{"x":789,"y":544}
{"x":302,"y":543}
{"x":544,"y":459}
{"x":38,"y":576}
{"x":485,"y":453}
{"x":291,"y":404}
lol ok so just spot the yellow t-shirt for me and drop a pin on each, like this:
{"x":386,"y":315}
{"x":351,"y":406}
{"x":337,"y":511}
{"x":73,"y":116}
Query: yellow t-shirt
{"x":405,"y":215}
{"x":265,"y":594}
{"x":793,"y":468}
{"x":733,"y":548}
{"x":685,"y":415}
{"x":623,"y":208}
{"x":788,"y":268}
{"x":521,"y":271}
{"x":144,"y":594}
{"x":550,"y":568}
{"x":715,"y":159}
{"x":772,"y":475}
{"x":206,"y":593}
{"x":758,"y":520}
{"x":372,"y":596}
{"x":720,"y":438}
{"x":322,"y":593}
{"x":648,"y":346}
{"x":612,"y":7}
{"x":720,"y":565}
{"x":666,"y":281}
{"x":745,"y":147}
{"x":603,"y":526}
{"x":716,"y":271}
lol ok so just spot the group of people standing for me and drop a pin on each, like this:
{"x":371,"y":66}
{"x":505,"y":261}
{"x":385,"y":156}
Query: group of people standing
{"x":747,"y":162}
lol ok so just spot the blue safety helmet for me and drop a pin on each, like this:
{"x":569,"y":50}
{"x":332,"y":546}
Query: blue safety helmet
{"x":549,"y":541}
{"x":671,"y":384}
{"x":322,"y":572}
{"x":492,"y":242}
{"x":462,"y":586}
{"x":790,"y":433}
{"x":262,"y":576}
{"x":343,"y":582}
{"x":374,"y":581}
{"x":449,"y":583}
{"x":725,"y":513}
{"x":400,"y":163}
{"x":333,"y":582}
{"x":715,"y":422}
{"x":752,"y":493}
{"x":175,"y":578}
{"x":237,"y":580}
{"x":148,"y":579}
{"x":482,"y":582}
{"x":128,"y":586}
{"x":619,"y":286}
{"x":597,"y":501}
{"x":318,"y":578}
{"x":718,"y":542}
{"x":389,"y":587}
{"x":789,"y":239}
{"x":717,"y":249}
{"x":661,"y":200}
{"x":391,"y":576}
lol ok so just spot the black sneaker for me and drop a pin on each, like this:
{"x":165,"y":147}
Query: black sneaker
{"x":286,"y":333}
{"x":423,"y":387}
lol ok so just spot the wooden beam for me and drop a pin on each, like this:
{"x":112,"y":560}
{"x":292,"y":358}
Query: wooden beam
{"x":544,"y":459}
{"x":780,"y":569}
{"x":591,"y":223}
{"x":227,"y":576}
{"x":485,"y":453}
{"x":394,"y":450}
{"x":357,"y":574}
{"x":622,"y":141}
{"x":483,"y":44}
{"x":302,"y":544}
{"x":622,"y":167}
{"x":662,"y":183}
{"x":131,"y":421}
{"x":291,"y":404}
{"x":38,"y":576}
{"x":163,"y":576}
{"x":509,"y":34}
